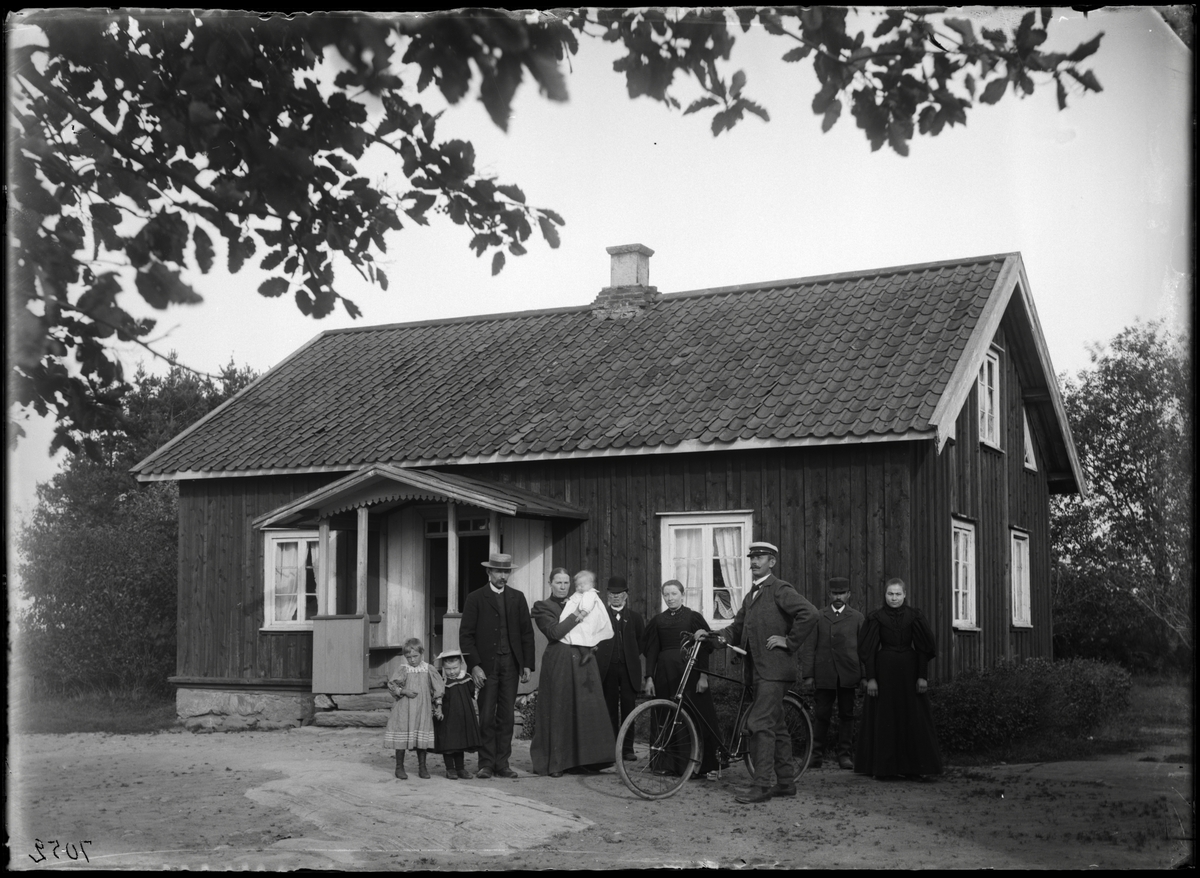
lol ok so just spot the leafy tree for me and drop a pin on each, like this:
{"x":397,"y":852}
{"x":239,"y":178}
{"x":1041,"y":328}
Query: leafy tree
{"x":99,"y":565}
{"x":140,"y":141}
{"x":1124,"y":554}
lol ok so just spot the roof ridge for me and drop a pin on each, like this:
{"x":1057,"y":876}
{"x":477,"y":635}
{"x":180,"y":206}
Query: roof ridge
{"x":841,"y":275}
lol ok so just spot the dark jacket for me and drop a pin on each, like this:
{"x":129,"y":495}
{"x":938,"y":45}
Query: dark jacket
{"x":479,"y":631}
{"x":777,"y":609}
{"x":830,"y":654}
{"x":632,"y":628}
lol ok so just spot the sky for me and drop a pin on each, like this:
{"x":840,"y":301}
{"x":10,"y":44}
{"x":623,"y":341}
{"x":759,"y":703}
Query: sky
{"x":1097,"y":198}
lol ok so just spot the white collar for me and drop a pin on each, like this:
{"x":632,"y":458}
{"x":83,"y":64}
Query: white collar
{"x":495,"y":590}
{"x":761,"y":581}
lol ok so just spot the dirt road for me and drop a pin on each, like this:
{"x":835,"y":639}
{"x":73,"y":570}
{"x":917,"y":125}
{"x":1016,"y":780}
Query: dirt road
{"x":326,"y":799}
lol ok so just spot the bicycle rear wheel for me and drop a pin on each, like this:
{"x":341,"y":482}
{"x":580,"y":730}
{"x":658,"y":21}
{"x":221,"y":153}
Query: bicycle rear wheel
{"x":663,"y":738}
{"x":799,"y":725}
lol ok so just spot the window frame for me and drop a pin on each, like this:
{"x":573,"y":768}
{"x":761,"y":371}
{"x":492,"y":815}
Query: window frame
{"x":707,"y":521}
{"x":989,"y":401}
{"x":1019,"y":578}
{"x":968,"y":621}
{"x":1030,"y":456}
{"x":270,"y":540}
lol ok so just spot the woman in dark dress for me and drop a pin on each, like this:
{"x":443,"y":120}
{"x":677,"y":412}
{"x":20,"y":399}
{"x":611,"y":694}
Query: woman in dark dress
{"x":571,"y":731}
{"x":896,"y":736}
{"x":664,"y":669}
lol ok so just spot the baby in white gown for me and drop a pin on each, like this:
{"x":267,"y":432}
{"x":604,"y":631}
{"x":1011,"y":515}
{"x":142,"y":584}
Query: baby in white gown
{"x":595,"y":626}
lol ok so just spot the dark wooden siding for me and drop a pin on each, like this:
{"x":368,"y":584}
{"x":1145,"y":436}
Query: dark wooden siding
{"x":833,"y":511}
{"x":994,"y":491}
{"x":221,"y":582}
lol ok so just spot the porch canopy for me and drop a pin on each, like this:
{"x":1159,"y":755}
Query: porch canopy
{"x":379,"y":488}
{"x":383,"y":486}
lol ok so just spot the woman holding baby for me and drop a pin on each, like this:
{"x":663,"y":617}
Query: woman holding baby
{"x":571,"y":732}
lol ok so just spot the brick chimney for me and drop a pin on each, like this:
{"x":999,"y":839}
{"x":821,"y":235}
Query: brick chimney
{"x":630,"y":289}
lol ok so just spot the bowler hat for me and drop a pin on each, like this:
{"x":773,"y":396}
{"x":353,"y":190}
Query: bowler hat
{"x":838,"y":584}
{"x":617,"y":584}
{"x":499,"y":561}
{"x":763,"y":549}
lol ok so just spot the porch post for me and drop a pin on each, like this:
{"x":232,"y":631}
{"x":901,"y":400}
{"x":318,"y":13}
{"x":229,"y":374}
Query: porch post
{"x":360,"y":605}
{"x":493,"y":531}
{"x":324,"y":566}
{"x":451,"y":558}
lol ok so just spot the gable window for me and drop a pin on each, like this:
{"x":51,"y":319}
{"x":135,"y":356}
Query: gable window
{"x":964,"y":574}
{"x":1021,"y":614}
{"x":1030,"y":460}
{"x":291,"y":580}
{"x":989,"y":400}
{"x":707,"y":553}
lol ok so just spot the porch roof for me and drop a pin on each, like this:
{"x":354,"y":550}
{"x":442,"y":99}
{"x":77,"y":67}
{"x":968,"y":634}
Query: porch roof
{"x":386,"y":486}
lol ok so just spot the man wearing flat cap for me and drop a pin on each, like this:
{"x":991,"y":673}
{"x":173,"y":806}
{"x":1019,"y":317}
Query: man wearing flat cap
{"x":772,"y":622}
{"x":497,"y":636}
{"x":620,"y":658}
{"x":829,"y":661}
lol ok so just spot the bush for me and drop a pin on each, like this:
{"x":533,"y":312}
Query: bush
{"x":527,"y":707}
{"x":996,"y":708}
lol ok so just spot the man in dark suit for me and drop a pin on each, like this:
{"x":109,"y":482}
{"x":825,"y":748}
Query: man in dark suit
{"x":620,"y":658}
{"x":770,"y":625}
{"x":829,"y":660}
{"x":497,"y":636}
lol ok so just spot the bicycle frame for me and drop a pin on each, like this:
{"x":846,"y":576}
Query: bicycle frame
{"x":727,"y":751}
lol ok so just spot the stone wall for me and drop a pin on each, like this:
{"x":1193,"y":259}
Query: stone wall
{"x":223,"y":710}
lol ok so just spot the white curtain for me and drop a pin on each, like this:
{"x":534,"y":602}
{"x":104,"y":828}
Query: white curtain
{"x":289,"y":571}
{"x":727,"y":547}
{"x":689,"y":561}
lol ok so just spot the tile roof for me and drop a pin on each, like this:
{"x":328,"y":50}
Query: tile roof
{"x":843,"y":357}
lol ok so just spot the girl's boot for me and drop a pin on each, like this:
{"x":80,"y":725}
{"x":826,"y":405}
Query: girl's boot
{"x":422,"y":771}
{"x":451,"y":773}
{"x":460,"y":764}
{"x":400,"y":773}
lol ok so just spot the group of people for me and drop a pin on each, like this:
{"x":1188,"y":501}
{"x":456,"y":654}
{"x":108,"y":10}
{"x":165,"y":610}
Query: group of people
{"x":600,"y":654}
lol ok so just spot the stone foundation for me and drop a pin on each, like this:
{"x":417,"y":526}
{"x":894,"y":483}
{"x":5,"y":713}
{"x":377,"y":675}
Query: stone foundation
{"x":224,"y":710}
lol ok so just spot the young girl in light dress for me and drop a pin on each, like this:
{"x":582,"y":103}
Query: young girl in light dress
{"x":418,"y":689}
{"x":594,"y":626}
{"x":457,"y":731}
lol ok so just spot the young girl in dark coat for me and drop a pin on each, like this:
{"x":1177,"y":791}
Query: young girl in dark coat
{"x":456,"y":731}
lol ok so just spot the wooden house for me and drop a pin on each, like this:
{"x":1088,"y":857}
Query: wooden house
{"x":895,"y":422}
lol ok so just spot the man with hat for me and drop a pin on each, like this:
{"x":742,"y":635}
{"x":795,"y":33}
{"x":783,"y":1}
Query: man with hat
{"x":772,"y":622}
{"x":497,"y":636}
{"x":620,"y":658}
{"x":829,"y":660}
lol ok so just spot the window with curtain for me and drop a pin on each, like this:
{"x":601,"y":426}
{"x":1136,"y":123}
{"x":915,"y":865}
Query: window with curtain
{"x":290,"y":580}
{"x":963,"y":566}
{"x":1022,"y":615}
{"x":707,"y":553}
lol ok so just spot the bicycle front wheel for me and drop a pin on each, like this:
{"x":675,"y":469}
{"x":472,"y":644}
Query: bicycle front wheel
{"x":799,"y":726}
{"x":667,"y":749}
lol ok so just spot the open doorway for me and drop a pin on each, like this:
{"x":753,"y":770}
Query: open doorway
{"x":473,"y":549}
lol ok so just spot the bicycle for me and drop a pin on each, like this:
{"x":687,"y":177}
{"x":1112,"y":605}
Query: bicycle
{"x":667,"y":744}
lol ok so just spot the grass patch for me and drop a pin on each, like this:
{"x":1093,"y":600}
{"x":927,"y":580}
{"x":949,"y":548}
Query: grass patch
{"x":119,"y":713}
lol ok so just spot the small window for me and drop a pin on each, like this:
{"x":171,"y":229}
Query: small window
{"x":707,"y":553}
{"x":964,"y":575}
{"x":291,"y":580}
{"x":989,"y":400}
{"x":1030,"y":460}
{"x":1021,"y":613}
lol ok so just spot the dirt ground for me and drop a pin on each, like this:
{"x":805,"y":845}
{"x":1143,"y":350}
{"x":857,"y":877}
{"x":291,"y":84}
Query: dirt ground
{"x":326,"y":799}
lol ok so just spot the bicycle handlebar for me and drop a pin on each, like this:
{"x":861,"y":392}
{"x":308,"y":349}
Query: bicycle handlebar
{"x":736,"y":649}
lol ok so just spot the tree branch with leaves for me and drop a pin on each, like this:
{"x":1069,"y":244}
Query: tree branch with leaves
{"x":140,"y":140}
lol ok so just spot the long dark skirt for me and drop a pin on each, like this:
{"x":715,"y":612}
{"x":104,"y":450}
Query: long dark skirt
{"x":572,"y":728}
{"x":699,"y":704}
{"x":896,"y":735}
